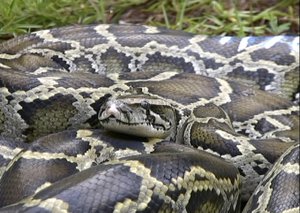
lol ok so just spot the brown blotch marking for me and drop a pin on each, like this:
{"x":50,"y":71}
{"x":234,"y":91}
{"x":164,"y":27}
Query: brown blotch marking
{"x":205,"y":201}
{"x":13,"y":46}
{"x":203,"y":135}
{"x":182,"y":87}
{"x":29,"y":62}
{"x":115,"y":61}
{"x":77,"y":33}
{"x":80,"y":79}
{"x":278,"y":53}
{"x":227,"y":50}
{"x":47,"y":116}
{"x":271,"y":149}
{"x":161,"y":63}
{"x":209,"y":110}
{"x":15,"y":80}
{"x":62,"y":142}
{"x":291,"y":121}
{"x":18,"y":183}
{"x":138,"y":75}
{"x":247,"y":102}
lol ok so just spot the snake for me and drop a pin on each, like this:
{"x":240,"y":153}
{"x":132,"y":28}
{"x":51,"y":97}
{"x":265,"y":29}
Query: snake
{"x":133,"y":118}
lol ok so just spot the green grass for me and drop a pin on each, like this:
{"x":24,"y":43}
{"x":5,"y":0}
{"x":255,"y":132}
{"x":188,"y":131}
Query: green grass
{"x":228,"y":17}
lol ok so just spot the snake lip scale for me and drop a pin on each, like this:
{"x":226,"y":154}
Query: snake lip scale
{"x":132,"y":118}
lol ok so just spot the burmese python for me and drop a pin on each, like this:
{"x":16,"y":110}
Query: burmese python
{"x":148,"y":82}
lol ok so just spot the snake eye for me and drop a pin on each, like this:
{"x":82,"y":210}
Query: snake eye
{"x":145,"y":105}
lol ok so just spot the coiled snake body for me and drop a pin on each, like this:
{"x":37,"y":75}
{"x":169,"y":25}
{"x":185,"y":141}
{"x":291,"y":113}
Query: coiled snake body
{"x":185,"y":103}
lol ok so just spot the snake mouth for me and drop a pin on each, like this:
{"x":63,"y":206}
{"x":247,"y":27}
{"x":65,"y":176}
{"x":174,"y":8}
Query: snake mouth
{"x":142,"y":129}
{"x":120,"y":122}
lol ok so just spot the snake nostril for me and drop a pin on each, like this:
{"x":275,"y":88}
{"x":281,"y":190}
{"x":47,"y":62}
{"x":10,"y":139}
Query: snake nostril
{"x":111,"y":117}
{"x":112,"y":111}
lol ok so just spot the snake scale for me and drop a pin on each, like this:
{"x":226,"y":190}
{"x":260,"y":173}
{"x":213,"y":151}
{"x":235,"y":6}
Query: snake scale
{"x":130,"y":118}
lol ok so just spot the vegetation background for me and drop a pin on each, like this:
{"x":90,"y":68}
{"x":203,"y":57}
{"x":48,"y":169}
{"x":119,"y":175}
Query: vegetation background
{"x":228,"y":17}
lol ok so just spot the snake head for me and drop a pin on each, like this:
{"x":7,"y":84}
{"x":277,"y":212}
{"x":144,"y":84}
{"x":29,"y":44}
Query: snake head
{"x":139,"y":115}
